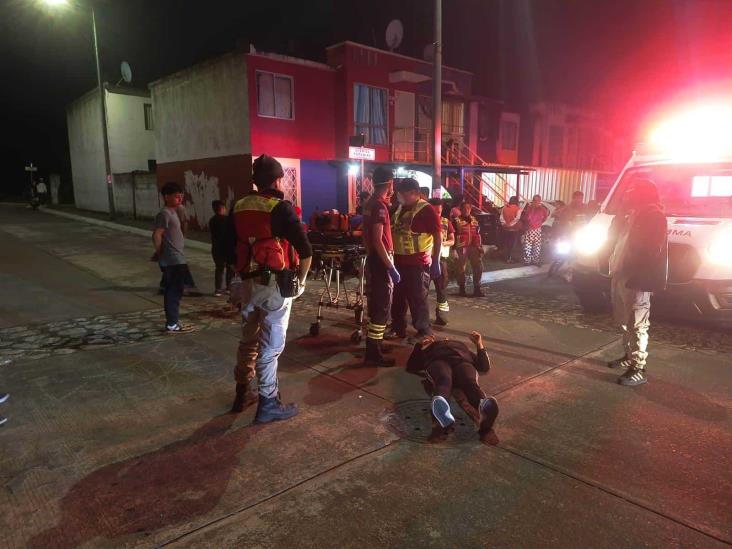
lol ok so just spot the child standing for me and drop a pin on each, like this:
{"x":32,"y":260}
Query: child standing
{"x":218,"y":227}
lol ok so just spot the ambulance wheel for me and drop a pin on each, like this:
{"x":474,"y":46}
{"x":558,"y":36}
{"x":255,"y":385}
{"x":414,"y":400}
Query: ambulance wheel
{"x":356,"y":337}
{"x":314,"y":329}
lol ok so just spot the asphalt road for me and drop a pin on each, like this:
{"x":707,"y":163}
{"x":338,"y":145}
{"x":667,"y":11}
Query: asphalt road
{"x":118,"y":436}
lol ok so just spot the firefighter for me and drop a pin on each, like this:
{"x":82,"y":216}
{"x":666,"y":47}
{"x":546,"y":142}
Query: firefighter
{"x":417,"y":240}
{"x":380,"y":269}
{"x":448,"y":239}
{"x":469,"y":248}
{"x":267,"y":233}
{"x":638,"y":267}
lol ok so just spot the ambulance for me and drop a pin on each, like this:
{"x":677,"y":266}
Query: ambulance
{"x":689,"y":158}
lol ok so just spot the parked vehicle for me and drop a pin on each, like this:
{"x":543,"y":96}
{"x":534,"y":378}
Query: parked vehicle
{"x":693,"y":174}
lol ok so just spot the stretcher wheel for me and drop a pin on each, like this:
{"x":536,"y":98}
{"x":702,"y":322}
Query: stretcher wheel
{"x":356,"y":337}
{"x":315,"y":328}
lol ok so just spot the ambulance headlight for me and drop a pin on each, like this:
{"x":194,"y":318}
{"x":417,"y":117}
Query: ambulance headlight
{"x":589,"y":239}
{"x":720,"y":250}
{"x":564,"y":247}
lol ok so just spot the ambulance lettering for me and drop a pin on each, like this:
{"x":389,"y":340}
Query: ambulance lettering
{"x":679,"y":232}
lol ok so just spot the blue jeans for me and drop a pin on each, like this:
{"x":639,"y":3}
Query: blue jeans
{"x":265,"y":316}
{"x":174,"y":277}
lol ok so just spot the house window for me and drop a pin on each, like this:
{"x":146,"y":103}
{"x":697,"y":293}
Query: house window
{"x":453,"y":119}
{"x":274,"y":95}
{"x":290,"y":187}
{"x":149,"y":121}
{"x":370,"y":114}
{"x":556,"y":146}
{"x":509,"y":135}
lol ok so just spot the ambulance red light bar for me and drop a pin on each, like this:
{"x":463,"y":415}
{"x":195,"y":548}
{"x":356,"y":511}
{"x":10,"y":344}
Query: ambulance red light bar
{"x":700,"y":133}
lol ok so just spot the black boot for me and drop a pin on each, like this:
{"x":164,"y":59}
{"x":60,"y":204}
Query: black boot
{"x":462,"y":293}
{"x":477,"y":292}
{"x":245,"y":397}
{"x":440,"y":319}
{"x":271,"y":409}
{"x":375,"y":356}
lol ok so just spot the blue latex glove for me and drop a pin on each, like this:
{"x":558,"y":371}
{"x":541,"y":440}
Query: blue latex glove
{"x":394,"y":274}
{"x":435,"y":270}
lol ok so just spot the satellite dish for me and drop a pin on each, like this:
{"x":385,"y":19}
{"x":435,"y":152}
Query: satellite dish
{"x":394,"y":34}
{"x":126,"y":71}
{"x":428,"y":53}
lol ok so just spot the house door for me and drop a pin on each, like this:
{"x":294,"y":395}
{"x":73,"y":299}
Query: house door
{"x":403,"y":135}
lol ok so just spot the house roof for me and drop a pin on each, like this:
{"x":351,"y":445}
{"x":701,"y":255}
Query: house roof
{"x":371,"y":48}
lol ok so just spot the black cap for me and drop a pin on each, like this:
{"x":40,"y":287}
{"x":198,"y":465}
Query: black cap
{"x":407,"y":184}
{"x":266,"y":171}
{"x":382,"y":175}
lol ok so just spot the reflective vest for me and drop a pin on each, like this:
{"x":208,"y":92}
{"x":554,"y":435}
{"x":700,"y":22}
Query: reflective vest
{"x":256,"y":247}
{"x":445,"y":224}
{"x":466,"y":232}
{"x":407,"y":242}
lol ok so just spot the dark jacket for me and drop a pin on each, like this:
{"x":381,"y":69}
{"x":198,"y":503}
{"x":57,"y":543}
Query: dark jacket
{"x":452,"y":352}
{"x":645,"y":261}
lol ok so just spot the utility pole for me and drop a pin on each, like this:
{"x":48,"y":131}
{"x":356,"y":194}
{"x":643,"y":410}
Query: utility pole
{"x":437,"y":101}
{"x":105,"y":137}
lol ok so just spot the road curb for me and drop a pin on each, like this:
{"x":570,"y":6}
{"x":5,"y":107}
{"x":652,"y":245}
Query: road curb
{"x":487,"y":278}
{"x":193,"y":244}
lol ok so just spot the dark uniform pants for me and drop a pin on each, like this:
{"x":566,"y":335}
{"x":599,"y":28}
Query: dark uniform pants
{"x":440,"y":289}
{"x":411,"y":291}
{"x":471,"y":254}
{"x":445,"y":375}
{"x":380,"y":289}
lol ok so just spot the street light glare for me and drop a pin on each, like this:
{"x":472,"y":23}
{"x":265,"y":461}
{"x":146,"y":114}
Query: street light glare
{"x":55,"y":3}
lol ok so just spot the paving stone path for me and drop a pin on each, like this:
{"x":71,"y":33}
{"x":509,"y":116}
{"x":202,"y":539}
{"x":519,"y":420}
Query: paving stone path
{"x":34,"y":341}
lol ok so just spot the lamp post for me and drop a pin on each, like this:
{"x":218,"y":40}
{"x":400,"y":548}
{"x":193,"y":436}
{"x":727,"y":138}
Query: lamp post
{"x":103,"y":102}
{"x":437,"y":101}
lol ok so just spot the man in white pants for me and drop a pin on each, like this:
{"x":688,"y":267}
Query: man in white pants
{"x":638,"y":267}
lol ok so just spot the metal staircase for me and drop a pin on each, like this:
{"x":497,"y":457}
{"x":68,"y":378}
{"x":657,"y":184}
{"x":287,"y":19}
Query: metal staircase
{"x":458,"y":154}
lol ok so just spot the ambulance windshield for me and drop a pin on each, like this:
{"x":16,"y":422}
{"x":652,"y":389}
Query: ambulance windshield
{"x":686,"y":190}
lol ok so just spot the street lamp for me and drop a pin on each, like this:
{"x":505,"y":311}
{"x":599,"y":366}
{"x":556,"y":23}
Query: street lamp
{"x":102,"y":101}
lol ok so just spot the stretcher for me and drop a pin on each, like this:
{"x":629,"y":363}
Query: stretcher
{"x":337,"y":258}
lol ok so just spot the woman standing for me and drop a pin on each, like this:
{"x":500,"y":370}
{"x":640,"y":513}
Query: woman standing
{"x":534,"y":216}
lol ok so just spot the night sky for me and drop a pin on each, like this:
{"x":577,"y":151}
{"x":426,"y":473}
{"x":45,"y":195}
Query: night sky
{"x":623,"y":58}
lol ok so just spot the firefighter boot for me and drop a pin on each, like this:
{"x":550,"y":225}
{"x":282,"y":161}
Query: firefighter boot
{"x":441,"y":314}
{"x":375,"y":356}
{"x":462,"y":293}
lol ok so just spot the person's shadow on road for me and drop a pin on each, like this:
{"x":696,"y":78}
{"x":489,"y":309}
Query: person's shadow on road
{"x":169,"y":486}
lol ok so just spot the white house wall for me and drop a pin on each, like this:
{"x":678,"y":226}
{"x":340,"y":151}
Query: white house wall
{"x":130,"y":144}
{"x":202,"y":112}
{"x":83,"y":118}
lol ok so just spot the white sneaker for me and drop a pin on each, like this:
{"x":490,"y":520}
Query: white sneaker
{"x":441,"y":411}
{"x":178,"y":329}
{"x":4,"y":397}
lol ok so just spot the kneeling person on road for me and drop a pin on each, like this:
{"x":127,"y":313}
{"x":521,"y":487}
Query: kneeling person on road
{"x":449,"y":364}
{"x":266,"y":231}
